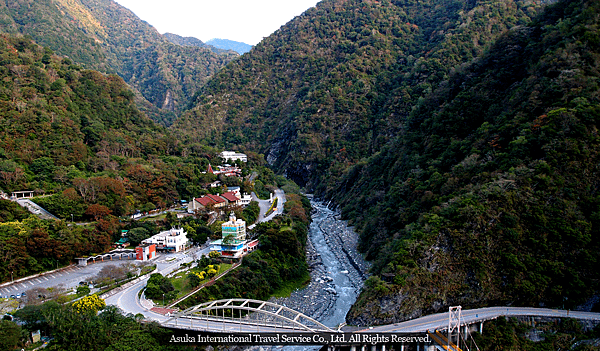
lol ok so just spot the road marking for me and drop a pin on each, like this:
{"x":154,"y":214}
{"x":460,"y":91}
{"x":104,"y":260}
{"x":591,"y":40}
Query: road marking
{"x":30,"y":282}
{"x":45,"y":278}
{"x":37,"y":280}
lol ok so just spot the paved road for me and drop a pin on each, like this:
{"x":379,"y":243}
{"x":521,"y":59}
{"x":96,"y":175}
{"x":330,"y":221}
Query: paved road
{"x":128,"y":299}
{"x":264,"y":205}
{"x":440,"y":320}
{"x":66,"y":278}
{"x":225,"y":326}
{"x":35,"y":209}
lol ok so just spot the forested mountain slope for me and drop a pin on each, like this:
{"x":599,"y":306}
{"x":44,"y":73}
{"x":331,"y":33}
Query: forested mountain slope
{"x":491,"y":193}
{"x":102,"y":35}
{"x":314,"y":96}
{"x":79,"y":134}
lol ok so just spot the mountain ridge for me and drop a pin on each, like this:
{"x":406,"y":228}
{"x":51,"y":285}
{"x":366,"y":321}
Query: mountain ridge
{"x":102,"y":35}
{"x":380,"y":108}
{"x":226,"y":44}
{"x":300,"y":101}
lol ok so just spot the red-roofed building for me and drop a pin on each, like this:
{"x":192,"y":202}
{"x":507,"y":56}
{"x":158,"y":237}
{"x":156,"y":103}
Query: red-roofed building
{"x":201,"y":203}
{"x":217,"y":200}
{"x":232,"y":198}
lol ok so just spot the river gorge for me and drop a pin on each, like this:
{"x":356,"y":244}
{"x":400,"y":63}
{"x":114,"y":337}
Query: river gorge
{"x":337,"y":270}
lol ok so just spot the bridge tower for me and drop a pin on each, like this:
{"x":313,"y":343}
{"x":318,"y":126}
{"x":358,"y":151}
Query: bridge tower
{"x":454,"y":317}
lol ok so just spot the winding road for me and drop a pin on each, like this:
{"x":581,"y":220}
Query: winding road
{"x":128,"y":299}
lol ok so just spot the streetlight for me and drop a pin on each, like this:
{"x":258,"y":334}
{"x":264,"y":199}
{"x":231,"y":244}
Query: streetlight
{"x":11,"y":277}
{"x":163,"y":299}
{"x":71,"y":218}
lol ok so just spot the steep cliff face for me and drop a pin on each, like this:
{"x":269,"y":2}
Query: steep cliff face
{"x":491,"y":196}
{"x":316,"y":95}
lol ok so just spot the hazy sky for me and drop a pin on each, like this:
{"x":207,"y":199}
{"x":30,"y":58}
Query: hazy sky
{"x":247,"y":21}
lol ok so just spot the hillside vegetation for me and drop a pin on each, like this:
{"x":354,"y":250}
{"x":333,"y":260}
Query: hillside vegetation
{"x":460,"y":137}
{"x":102,"y":35}
{"x":334,"y":85}
{"x":79,"y":134}
{"x":491,"y":194}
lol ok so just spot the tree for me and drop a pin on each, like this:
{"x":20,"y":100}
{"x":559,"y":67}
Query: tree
{"x":157,"y":286}
{"x":89,"y":305}
{"x":170,"y":219}
{"x":194,"y":280}
{"x":83,"y":290}
{"x":10,"y":335}
{"x":211,"y":272}
{"x":98,"y":211}
{"x":110,"y":273}
{"x":136,"y":235}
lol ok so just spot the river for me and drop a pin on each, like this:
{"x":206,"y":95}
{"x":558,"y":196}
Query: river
{"x":337,"y":271}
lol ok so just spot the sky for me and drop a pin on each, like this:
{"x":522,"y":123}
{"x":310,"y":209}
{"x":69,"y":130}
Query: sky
{"x":248,"y":21}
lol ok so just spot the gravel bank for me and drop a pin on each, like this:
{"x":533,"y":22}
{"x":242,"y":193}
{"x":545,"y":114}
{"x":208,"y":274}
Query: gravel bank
{"x":318,"y":298}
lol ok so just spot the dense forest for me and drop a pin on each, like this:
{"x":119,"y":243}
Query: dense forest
{"x":75,"y":330}
{"x":491,"y":193}
{"x":460,"y":137}
{"x":333,"y":85}
{"x":102,"y":35}
{"x":76,"y":131}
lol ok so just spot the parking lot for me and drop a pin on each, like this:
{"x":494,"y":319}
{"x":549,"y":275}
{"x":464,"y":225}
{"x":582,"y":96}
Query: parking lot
{"x":66,"y":278}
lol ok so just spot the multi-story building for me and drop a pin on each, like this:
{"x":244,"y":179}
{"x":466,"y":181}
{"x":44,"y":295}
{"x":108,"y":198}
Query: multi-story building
{"x":174,"y":240}
{"x":233,"y":156}
{"x":233,"y":238}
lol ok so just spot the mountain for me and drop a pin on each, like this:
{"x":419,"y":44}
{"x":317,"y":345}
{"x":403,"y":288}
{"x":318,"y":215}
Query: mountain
{"x":225,"y":44}
{"x":490,"y":195}
{"x":102,"y":35}
{"x":459,"y":137}
{"x":333,"y":85}
{"x":78,"y":134}
{"x":191,"y":41}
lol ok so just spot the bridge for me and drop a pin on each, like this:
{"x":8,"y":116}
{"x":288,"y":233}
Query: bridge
{"x":243,"y":316}
{"x":445,"y":330}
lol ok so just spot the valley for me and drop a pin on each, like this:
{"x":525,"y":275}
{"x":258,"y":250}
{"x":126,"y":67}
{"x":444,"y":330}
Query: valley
{"x":458,"y":139}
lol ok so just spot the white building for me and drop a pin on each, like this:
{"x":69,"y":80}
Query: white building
{"x":233,"y":156}
{"x":174,"y":240}
{"x":245,"y":200}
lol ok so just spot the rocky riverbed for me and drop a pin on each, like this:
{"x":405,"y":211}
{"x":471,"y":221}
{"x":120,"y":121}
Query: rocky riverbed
{"x":337,"y":270}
